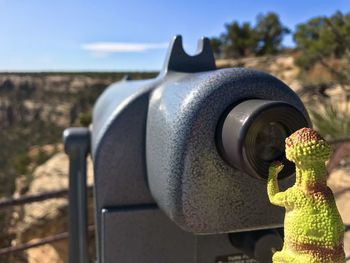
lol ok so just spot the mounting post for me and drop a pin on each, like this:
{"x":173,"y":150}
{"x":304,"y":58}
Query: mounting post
{"x":77,"y":145}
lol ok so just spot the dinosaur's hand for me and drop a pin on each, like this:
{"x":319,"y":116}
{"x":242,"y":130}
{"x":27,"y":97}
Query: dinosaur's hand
{"x":276,"y":197}
{"x":275,"y":168}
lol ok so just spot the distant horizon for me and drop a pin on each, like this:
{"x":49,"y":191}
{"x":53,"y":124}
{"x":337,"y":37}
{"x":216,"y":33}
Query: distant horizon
{"x":78,"y":71}
{"x":113,"y":70}
{"x":132,"y":35}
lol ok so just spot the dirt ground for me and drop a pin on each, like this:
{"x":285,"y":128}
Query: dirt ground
{"x":339,"y":182}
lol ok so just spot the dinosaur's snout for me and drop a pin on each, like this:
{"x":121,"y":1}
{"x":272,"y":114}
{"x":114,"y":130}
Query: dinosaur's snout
{"x":305,"y":146}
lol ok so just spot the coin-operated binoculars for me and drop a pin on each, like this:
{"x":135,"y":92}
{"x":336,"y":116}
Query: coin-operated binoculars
{"x":180,"y":164}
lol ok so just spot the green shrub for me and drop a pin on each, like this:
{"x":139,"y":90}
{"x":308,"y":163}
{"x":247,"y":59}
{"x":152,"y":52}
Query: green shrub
{"x":331,"y":118}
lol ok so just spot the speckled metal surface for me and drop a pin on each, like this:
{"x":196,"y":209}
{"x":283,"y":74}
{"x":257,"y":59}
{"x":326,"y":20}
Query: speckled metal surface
{"x":154,"y":141}
{"x":118,"y":147}
{"x":118,"y":144}
{"x":153,"y":146}
{"x":186,"y":175}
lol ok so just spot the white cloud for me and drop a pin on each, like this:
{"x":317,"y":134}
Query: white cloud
{"x":106,"y":48}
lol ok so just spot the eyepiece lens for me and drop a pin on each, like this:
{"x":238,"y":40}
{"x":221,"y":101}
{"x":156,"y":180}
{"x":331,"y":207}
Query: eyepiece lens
{"x":269,"y":143}
{"x":254,"y":132}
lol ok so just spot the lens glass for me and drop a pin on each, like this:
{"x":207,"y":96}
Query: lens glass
{"x":269,"y":144}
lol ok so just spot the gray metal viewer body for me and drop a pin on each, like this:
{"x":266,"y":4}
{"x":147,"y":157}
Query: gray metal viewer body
{"x":172,"y":182}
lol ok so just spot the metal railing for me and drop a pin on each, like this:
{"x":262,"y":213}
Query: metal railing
{"x":37,"y":243}
{"x":27,"y":199}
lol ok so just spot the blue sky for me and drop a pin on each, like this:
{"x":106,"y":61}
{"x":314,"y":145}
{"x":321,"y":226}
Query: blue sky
{"x":107,"y":35}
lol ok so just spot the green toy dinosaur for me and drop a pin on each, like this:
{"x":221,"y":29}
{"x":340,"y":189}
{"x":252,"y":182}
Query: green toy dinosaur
{"x":313,"y":228}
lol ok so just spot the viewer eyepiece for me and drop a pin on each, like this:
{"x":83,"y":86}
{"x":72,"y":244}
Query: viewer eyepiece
{"x":253,"y":133}
{"x":269,"y":144}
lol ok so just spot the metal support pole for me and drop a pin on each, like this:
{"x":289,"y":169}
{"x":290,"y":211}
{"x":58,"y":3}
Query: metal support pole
{"x":77,"y":145}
